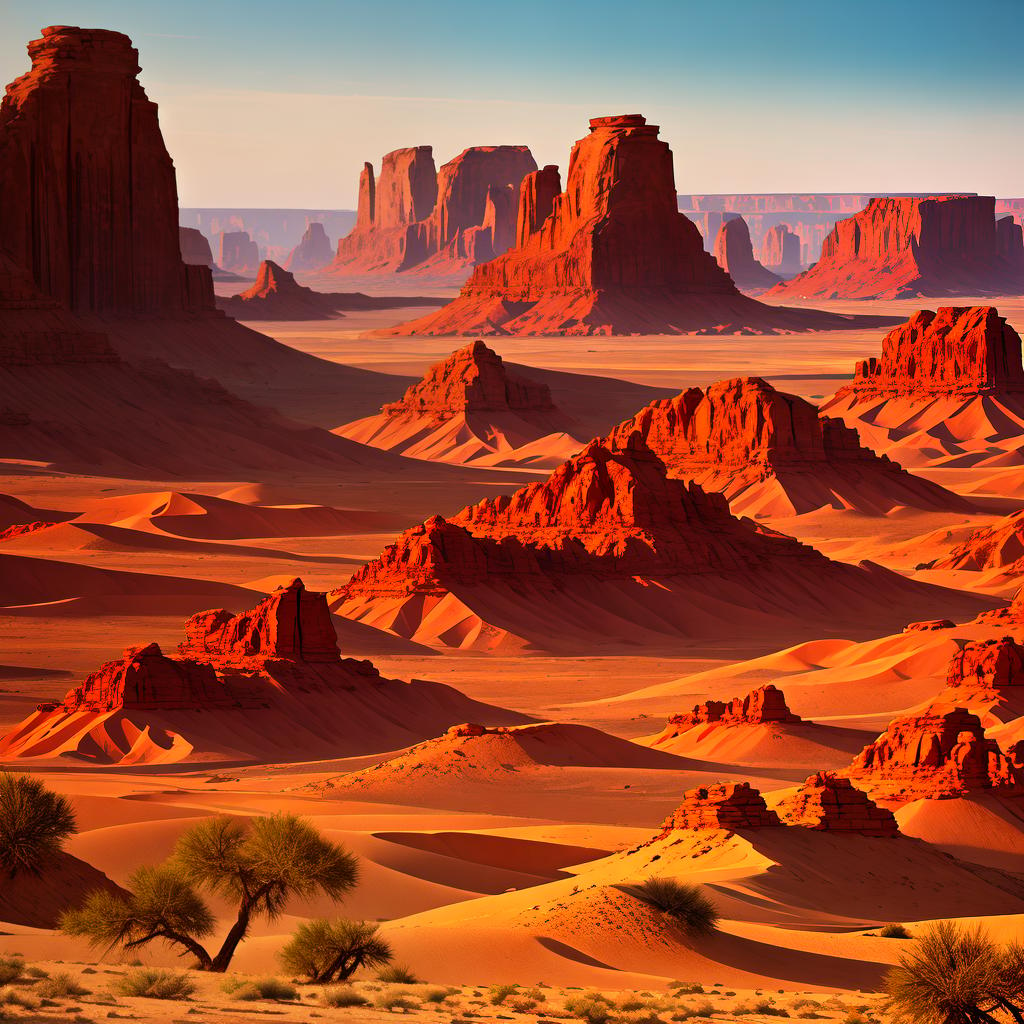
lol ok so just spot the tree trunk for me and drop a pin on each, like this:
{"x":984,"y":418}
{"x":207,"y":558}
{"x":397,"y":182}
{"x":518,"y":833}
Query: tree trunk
{"x":234,"y":937}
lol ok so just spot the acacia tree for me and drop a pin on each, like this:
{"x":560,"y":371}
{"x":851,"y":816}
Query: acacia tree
{"x":956,"y":974}
{"x":35,"y":822}
{"x":327,"y":951}
{"x":259,"y":864}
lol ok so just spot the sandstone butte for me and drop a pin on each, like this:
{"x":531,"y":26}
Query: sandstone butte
{"x":780,"y":251}
{"x":990,"y":547}
{"x":899,"y":248}
{"x":962,"y":351}
{"x":940,"y":753}
{"x":596,"y":533}
{"x":614,"y":256}
{"x":88,"y":199}
{"x":765,"y":704}
{"x":276,"y":295}
{"x":313,"y":251}
{"x":724,"y":806}
{"x":830,"y":803}
{"x":416,"y":219}
{"x":735,"y":255}
{"x":195,"y":247}
{"x":237,"y":252}
{"x":770,"y":452}
{"x":987,"y":665}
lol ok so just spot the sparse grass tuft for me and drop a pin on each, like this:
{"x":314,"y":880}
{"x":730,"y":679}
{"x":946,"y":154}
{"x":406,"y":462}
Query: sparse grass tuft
{"x":153,"y":983}
{"x":894,"y":931}
{"x":10,"y":996}
{"x":704,"y":1009}
{"x":686,"y":904}
{"x":591,"y":1007}
{"x":396,"y":1000}
{"x":398,"y":974}
{"x":499,"y":993}
{"x":60,"y":985}
{"x":11,"y":969}
{"x":762,"y":1007}
{"x":260,"y":988}
{"x":686,"y":988}
{"x":343,"y":995}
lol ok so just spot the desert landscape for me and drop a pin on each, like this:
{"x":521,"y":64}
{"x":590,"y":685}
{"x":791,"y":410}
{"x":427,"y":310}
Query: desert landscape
{"x":533,"y":594}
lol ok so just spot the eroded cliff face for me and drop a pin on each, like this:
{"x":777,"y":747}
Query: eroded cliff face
{"x":735,"y":255}
{"x":88,"y":197}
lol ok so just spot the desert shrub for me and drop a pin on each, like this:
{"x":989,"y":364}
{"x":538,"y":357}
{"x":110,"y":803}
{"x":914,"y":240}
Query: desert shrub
{"x":894,"y":931}
{"x":11,"y":969}
{"x":398,"y":974}
{"x":522,"y":1003}
{"x":343,"y":995}
{"x":686,"y":904}
{"x":396,"y":1000}
{"x":327,"y":951}
{"x":153,"y":983}
{"x":437,"y":995}
{"x":60,"y":985}
{"x":35,"y":823}
{"x":801,"y":1002}
{"x":10,"y":996}
{"x":762,"y":1007}
{"x":499,"y":993}
{"x":35,"y":973}
{"x":686,"y":988}
{"x":855,"y":1017}
{"x":591,"y":1007}
{"x":259,"y":988}
{"x":704,"y":1009}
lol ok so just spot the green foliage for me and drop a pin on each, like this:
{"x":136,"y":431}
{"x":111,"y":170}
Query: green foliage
{"x":499,"y":993}
{"x":34,"y":824}
{"x":11,"y":969}
{"x":686,"y":904}
{"x":894,"y":931}
{"x":956,"y":974}
{"x":260,"y":988}
{"x":59,"y":985}
{"x":343,"y":995}
{"x":152,"y":983}
{"x":327,"y":951}
{"x":398,"y":974}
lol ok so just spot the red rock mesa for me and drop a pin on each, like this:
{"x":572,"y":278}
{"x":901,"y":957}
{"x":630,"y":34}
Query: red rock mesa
{"x":765,"y":704}
{"x":735,"y":255}
{"x":829,"y":803}
{"x":313,"y":251}
{"x":435,"y":223}
{"x":987,"y":665}
{"x":536,"y":201}
{"x":771,"y":453}
{"x":238,"y":253}
{"x":615,"y":256}
{"x":195,"y":247}
{"x":780,"y":251}
{"x":725,"y":806}
{"x":897,"y":248}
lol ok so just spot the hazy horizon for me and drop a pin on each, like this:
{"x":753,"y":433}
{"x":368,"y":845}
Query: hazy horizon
{"x":279,"y":109}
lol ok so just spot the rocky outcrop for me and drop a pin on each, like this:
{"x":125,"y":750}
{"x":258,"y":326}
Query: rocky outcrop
{"x":765,"y":704}
{"x":536,"y":201}
{"x":195,"y":247}
{"x":88,"y":198}
{"x":899,"y":248}
{"x":615,"y":256}
{"x":725,"y":806}
{"x":987,"y":665}
{"x":1010,"y":241}
{"x":940,"y":753}
{"x":991,"y":547}
{"x":960,"y":350}
{"x":313,"y":251}
{"x":780,"y":251}
{"x":767,"y":450}
{"x":828,"y":802}
{"x":416,"y":219}
{"x":735,"y":255}
{"x":238,"y":253}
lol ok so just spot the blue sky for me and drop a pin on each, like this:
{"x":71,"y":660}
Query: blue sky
{"x":278,"y":104}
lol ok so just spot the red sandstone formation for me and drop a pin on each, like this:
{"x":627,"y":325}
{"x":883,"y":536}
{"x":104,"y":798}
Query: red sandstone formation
{"x":416,"y":219}
{"x":536,"y":201}
{"x":961,"y":350}
{"x":940,"y":753}
{"x":725,"y":806}
{"x":238,"y":253}
{"x":771,"y":452}
{"x":765,"y":704}
{"x":929,"y":626}
{"x":780,"y":251}
{"x":991,"y":547}
{"x":899,"y":248}
{"x":827,"y":802}
{"x":987,"y":665}
{"x":615,"y":256}
{"x":735,"y":255}
{"x":88,"y":200}
{"x":195,"y":247}
{"x":1010,"y":241}
{"x":276,"y":295}
{"x":313,"y":251}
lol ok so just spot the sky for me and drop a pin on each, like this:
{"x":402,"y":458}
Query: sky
{"x":278,"y":104}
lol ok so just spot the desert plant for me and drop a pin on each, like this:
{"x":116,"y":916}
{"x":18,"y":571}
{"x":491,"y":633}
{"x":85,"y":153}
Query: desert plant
{"x":686,"y":988}
{"x":60,"y":985}
{"x":343,"y":995}
{"x":259,"y":865}
{"x":956,"y":974}
{"x":35,"y":822}
{"x":153,"y":983}
{"x":10,"y":996}
{"x":521,"y":1003}
{"x":704,"y":1009}
{"x":686,"y":904}
{"x":591,"y":1007}
{"x":499,"y":993}
{"x":894,"y":931}
{"x":35,"y":973}
{"x":392,"y":1001}
{"x":326,"y":951}
{"x":438,"y":995}
{"x":249,"y":990}
{"x":398,"y":974}
{"x":11,"y":969}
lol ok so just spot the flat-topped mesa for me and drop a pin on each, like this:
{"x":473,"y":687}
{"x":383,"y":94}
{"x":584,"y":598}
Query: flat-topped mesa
{"x":903,"y":247}
{"x":1010,"y":241}
{"x":958,"y":351}
{"x":195,"y":247}
{"x":536,"y":201}
{"x":938,"y":754}
{"x":237,"y":252}
{"x":472,"y":379}
{"x":987,"y":665}
{"x":88,"y":197}
{"x":144,"y":678}
{"x":725,"y":806}
{"x":313,"y":251}
{"x":735,"y":255}
{"x":293,"y":624}
{"x":828,"y":802}
{"x":765,"y":704}
{"x":780,"y":251}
